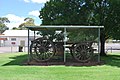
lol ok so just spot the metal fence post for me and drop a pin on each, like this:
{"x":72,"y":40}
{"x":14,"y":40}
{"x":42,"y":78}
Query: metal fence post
{"x":28,"y":46}
{"x":98,"y":44}
{"x":64,"y":44}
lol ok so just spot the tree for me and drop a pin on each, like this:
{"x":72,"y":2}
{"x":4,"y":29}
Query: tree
{"x":113,"y":19}
{"x":28,"y":22}
{"x":3,"y":27}
{"x":109,"y":17}
{"x":85,"y":12}
{"x":15,"y":28}
{"x":64,"y":12}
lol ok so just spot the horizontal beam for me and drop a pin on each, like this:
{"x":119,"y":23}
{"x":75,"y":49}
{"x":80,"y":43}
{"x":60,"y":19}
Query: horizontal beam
{"x":48,"y":26}
{"x":59,"y":27}
{"x":72,"y":26}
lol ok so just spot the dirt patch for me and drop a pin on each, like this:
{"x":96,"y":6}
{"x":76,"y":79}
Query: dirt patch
{"x":70,"y":61}
{"x":67,"y":63}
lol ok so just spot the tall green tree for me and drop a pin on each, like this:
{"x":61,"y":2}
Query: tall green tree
{"x":28,"y":22}
{"x":3,"y":27}
{"x":109,"y":17}
{"x":64,"y":12}
{"x":85,"y":12}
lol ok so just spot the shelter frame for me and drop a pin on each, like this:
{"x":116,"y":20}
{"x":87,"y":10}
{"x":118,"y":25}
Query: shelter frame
{"x":45,"y":27}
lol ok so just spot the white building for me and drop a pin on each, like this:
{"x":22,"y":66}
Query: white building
{"x":16,"y":38}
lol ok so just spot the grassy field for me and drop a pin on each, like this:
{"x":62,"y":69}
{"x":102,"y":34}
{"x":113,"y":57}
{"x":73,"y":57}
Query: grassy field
{"x":11,"y":68}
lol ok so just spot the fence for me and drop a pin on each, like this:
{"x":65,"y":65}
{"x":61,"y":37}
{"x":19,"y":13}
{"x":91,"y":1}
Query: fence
{"x":12,"y":49}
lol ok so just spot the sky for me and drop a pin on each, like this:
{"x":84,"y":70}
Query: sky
{"x":17,"y":10}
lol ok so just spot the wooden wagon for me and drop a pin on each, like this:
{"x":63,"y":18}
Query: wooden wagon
{"x":43,"y":49}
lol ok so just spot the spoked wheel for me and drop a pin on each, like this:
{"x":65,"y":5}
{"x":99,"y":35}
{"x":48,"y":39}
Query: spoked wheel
{"x":82,"y":52}
{"x":42,"y":49}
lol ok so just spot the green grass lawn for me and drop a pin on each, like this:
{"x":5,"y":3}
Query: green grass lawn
{"x":11,"y":68}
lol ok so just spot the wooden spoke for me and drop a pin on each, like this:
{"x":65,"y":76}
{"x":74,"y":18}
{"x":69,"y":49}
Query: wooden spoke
{"x":82,"y":52}
{"x":42,"y":49}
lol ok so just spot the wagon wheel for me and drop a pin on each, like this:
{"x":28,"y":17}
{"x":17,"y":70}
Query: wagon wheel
{"x":82,"y":52}
{"x":42,"y":49}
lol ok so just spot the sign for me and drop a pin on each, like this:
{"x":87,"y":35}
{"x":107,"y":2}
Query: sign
{"x":13,"y":43}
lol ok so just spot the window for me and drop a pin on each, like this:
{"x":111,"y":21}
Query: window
{"x":13,"y":39}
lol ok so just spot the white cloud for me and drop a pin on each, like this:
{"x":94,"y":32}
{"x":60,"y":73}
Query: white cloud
{"x":15,"y":21}
{"x":27,"y":1}
{"x":36,"y":1}
{"x":34,"y":13}
{"x":39,"y":1}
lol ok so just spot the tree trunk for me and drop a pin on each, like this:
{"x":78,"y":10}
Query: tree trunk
{"x":102,"y":47}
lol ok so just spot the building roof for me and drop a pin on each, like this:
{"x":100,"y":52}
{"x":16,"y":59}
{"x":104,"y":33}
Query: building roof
{"x":17,"y":33}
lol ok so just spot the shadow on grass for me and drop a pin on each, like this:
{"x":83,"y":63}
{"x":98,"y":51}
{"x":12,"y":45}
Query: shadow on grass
{"x":18,"y":60}
{"x":112,"y":60}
